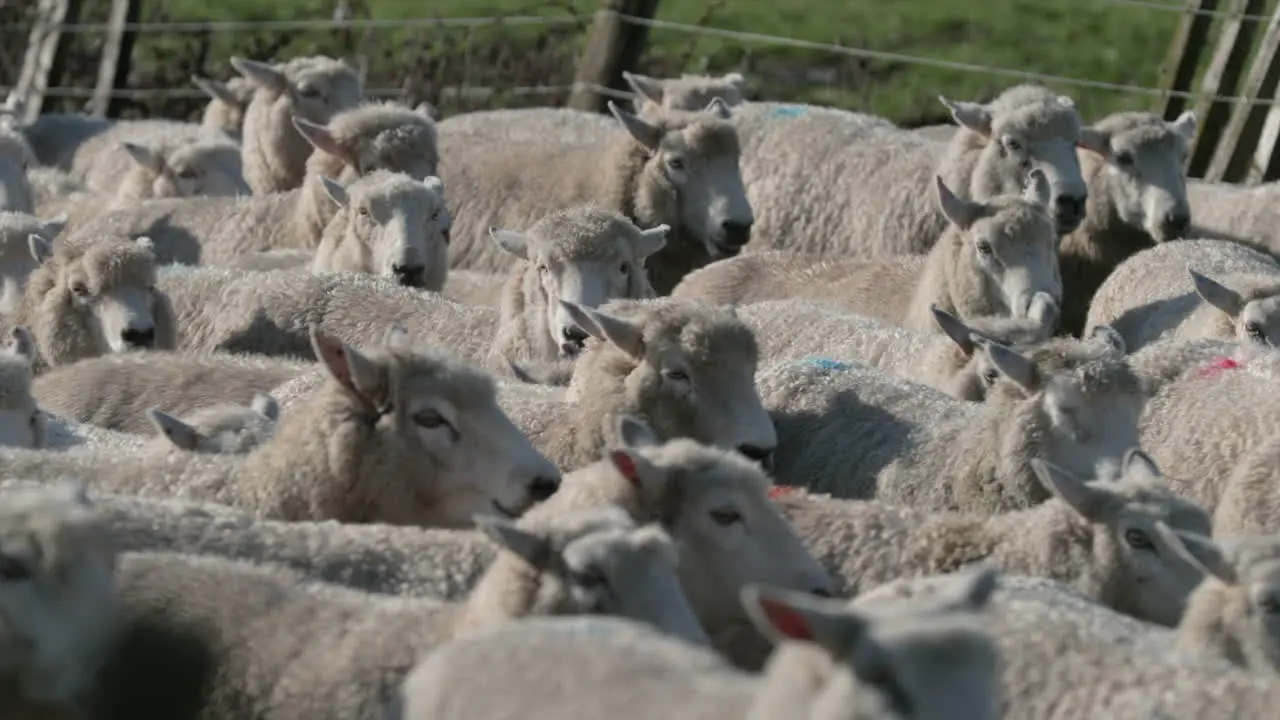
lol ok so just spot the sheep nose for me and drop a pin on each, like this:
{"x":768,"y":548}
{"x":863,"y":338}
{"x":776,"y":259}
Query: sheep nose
{"x":736,"y":234}
{"x":409,"y":275}
{"x":139,"y":338}
{"x":575,"y":335}
{"x":761,"y":455}
{"x":1069,"y":211}
{"x":544,"y":487}
{"x":1175,"y":225}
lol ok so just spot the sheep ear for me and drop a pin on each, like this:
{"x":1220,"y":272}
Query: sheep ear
{"x":1037,"y":189}
{"x":510,"y":241}
{"x":786,"y":615}
{"x":54,"y":226}
{"x":1218,"y":295}
{"x":735,"y":79}
{"x":1093,"y":502}
{"x":1013,"y":365}
{"x":22,"y":343}
{"x":321,"y":139}
{"x":1110,"y":336}
{"x":651,"y":240}
{"x":1185,"y":125}
{"x":1138,"y":462}
{"x":1044,"y":310}
{"x":348,"y":366}
{"x":144,"y":156}
{"x":955,"y":329}
{"x":532,"y":548}
{"x":959,"y":212}
{"x":41,"y":249}
{"x":647,"y":135}
{"x":1199,"y":552}
{"x":265,"y":405}
{"x":649,"y":88}
{"x":216,"y":90}
{"x":145,"y":243}
{"x":626,"y":337}
{"x":719,"y":108}
{"x":1095,"y":140}
{"x":336,"y":191}
{"x":260,"y":74}
{"x":179,"y":433}
{"x":635,"y":433}
{"x":974,"y":116}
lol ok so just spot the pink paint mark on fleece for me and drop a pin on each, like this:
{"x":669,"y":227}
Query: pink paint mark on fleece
{"x":1220,"y":365}
{"x":778,"y":491}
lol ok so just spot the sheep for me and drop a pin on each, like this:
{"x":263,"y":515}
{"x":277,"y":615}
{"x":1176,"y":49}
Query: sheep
{"x":687,"y":92}
{"x":16,"y":260}
{"x":395,"y":435}
{"x":870,"y":196}
{"x":80,"y":144}
{"x":684,"y":368}
{"x":1097,"y":536}
{"x":92,"y":298}
{"x":267,"y":637}
{"x":313,"y":88}
{"x":268,"y":312}
{"x":222,"y":428}
{"x":227,"y":103}
{"x":934,"y":661}
{"x":581,"y":254}
{"x":209,"y":167}
{"x":16,"y":157}
{"x":216,"y":230}
{"x":991,"y":260}
{"x":1134,"y":164}
{"x":790,"y":330}
{"x":58,"y":601}
{"x":859,"y":433}
{"x":1189,"y":290}
{"x":22,"y":424}
{"x":115,"y":391}
{"x":679,"y":170}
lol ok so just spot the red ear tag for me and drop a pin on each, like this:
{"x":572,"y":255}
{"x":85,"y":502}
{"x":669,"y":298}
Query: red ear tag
{"x":778,"y":491}
{"x":786,"y":620}
{"x":625,"y":464}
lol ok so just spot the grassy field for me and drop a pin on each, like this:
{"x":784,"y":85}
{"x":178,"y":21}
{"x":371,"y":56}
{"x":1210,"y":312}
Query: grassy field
{"x":1089,"y":39}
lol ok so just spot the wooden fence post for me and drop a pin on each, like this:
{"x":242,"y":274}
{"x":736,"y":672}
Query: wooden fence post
{"x":1233,"y":156}
{"x":1222,"y":79}
{"x":1180,"y":64}
{"x":117,"y":47}
{"x":613,"y":45}
{"x":42,"y":63}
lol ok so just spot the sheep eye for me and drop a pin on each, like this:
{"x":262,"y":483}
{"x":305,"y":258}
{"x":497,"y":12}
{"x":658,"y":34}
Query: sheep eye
{"x":726,"y":517}
{"x":675,"y":163}
{"x":364,"y":211}
{"x":677,"y":375}
{"x":542,"y":269}
{"x":1254,"y":330}
{"x":1013,"y":145}
{"x":435,"y":215}
{"x":1124,"y":159}
{"x":590,"y":578}
{"x":187,"y":174}
{"x":991,"y":376}
{"x":13,"y":569}
{"x":624,"y":269}
{"x":1138,"y":540}
{"x":308,"y":92}
{"x":430,"y":419}
{"x":984,"y":248}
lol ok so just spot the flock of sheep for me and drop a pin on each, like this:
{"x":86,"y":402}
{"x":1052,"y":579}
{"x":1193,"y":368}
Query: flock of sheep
{"x":714,"y":408}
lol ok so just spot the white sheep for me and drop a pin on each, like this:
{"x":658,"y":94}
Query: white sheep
{"x":1189,"y":290}
{"x":80,"y":144}
{"x":929,"y":663}
{"x":222,"y":428}
{"x":680,"y":170}
{"x":227,"y":103}
{"x":16,"y":158}
{"x":1099,"y":537}
{"x":16,"y":259}
{"x":188,"y":168}
{"x":396,"y":435}
{"x":22,"y":424}
{"x":583,"y":255}
{"x":992,"y":259}
{"x":860,"y":433}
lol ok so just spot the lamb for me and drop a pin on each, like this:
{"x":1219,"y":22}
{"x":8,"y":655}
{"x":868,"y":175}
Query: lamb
{"x":686,"y":369}
{"x":115,"y":391}
{"x":932,"y":662}
{"x":16,"y":157}
{"x":869,"y":197}
{"x":792,"y":330}
{"x":1189,"y":290}
{"x":1135,"y":165}
{"x":687,"y":92}
{"x":313,"y":88}
{"x":227,"y":103}
{"x":92,"y":298}
{"x":265,"y":638}
{"x":992,"y":259}
{"x":223,"y":428}
{"x":1097,"y":537}
{"x":16,"y":260}
{"x":583,"y":255}
{"x":396,"y":435}
{"x":216,"y":230}
{"x":680,"y":170}
{"x":21,"y":422}
{"x":268,"y":312}
{"x":859,"y":433}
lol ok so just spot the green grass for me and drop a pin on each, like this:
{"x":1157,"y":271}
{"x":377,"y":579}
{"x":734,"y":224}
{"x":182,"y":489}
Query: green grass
{"x":1087,"y":39}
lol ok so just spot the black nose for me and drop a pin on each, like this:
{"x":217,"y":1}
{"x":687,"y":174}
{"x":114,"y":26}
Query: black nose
{"x":736,"y":234}
{"x":139,"y":338}
{"x":409,"y":275}
{"x":544,"y":487}
{"x":575,"y":335}
{"x":1069,"y":209}
{"x":1175,"y":225}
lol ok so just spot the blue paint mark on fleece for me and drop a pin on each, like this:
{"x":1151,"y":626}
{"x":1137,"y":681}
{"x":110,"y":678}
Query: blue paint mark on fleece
{"x":826,"y":363}
{"x":790,"y":111}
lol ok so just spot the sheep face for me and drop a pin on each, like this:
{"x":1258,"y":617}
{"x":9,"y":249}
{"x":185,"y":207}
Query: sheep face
{"x":15,"y":157}
{"x":1141,"y":574}
{"x":220,"y":429}
{"x":1029,"y":128}
{"x":694,"y":170}
{"x":227,"y":103}
{"x":372,"y":137}
{"x":16,"y":260}
{"x":21,"y":422}
{"x":314,"y":88}
{"x":1145,"y":176}
{"x":57,"y":593}
{"x":441,"y":451}
{"x":975,"y":374}
{"x":193,"y":169}
{"x":690,"y":371}
{"x":690,"y":92}
{"x":1254,"y":315}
